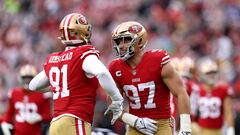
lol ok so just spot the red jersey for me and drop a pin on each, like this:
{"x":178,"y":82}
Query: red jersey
{"x":193,"y":91}
{"x":143,"y":86}
{"x":73,"y":92}
{"x":23,"y":103}
{"x":211,"y":106}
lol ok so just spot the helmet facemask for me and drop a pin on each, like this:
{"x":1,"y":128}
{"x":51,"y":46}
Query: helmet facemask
{"x":210,"y":78}
{"x":125,"y":39}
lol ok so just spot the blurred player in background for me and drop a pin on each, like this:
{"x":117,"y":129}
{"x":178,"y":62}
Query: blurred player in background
{"x":186,"y":68}
{"x":74,"y":76}
{"x":147,"y":79}
{"x":215,"y":102}
{"x":26,"y":109}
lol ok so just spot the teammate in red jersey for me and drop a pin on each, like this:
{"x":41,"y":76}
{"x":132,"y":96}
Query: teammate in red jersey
{"x":147,"y":79}
{"x":215,"y":103}
{"x":185,"y":67}
{"x":26,"y":109}
{"x":74,"y":76}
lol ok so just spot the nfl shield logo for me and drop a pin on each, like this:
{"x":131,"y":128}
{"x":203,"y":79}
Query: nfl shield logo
{"x":134,"y":72}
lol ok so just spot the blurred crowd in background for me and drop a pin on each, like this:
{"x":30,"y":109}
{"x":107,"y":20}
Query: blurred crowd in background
{"x":194,"y":28}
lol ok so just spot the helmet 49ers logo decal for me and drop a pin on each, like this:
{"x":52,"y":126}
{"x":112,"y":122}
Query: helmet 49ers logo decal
{"x":82,"y":20}
{"x":135,"y":29}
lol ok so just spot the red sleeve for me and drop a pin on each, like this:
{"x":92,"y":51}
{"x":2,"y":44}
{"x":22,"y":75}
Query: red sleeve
{"x":46,"y":61}
{"x":87,"y":50}
{"x":45,"y":67}
{"x":165,"y":57}
{"x":10,"y":110}
{"x":226,"y":90}
{"x":160,"y":56}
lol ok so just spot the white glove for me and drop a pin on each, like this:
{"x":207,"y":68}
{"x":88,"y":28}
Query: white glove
{"x":116,"y":107}
{"x":144,"y":125}
{"x":230,"y":131}
{"x":33,"y":118}
{"x":185,"y":125}
{"x":6,"y":127}
{"x":184,"y":132}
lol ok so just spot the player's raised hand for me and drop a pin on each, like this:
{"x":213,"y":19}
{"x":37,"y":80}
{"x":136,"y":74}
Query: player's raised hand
{"x":116,"y":107}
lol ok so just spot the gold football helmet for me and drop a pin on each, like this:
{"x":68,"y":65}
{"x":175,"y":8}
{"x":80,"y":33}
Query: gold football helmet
{"x":184,"y":66}
{"x":188,"y":66}
{"x":208,"y":70}
{"x":75,"y":29}
{"x":132,"y":31}
{"x":26,"y":73}
{"x":175,"y":61}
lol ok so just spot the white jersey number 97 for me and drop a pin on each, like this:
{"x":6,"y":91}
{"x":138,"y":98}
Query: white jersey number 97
{"x":134,"y":97}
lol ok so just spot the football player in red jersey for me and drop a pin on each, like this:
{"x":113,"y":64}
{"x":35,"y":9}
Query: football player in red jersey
{"x":147,"y":79}
{"x":186,"y":67}
{"x":26,"y":109}
{"x":215,"y":103}
{"x":74,"y":76}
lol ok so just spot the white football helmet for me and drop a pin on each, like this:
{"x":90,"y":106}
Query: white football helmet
{"x":132,"y":31}
{"x":75,"y":29}
{"x":208,"y":71}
